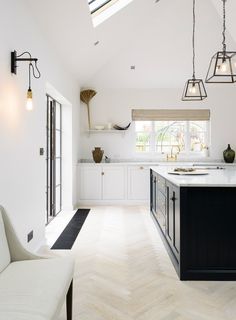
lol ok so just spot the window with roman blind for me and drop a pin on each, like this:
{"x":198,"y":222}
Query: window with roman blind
{"x":178,"y":130}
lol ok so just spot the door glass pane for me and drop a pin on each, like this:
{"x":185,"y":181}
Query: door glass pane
{"x":58,"y":143}
{"x":58,"y":116}
{"x":48,"y":144}
{"x":58,"y":199}
{"x":58,"y":171}
{"x":48,"y":113}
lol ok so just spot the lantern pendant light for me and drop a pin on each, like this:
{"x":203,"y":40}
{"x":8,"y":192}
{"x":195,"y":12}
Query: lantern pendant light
{"x":222,"y":67}
{"x":194,"y":89}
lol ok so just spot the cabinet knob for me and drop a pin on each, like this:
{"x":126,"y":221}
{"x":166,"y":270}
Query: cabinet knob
{"x":103,"y":173}
{"x":141,"y":168}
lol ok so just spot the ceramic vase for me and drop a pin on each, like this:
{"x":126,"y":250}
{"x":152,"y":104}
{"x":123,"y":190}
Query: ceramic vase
{"x":97,"y":154}
{"x":229,"y":155}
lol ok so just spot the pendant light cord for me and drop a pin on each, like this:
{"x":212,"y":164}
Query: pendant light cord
{"x":224,"y":27}
{"x":193,"y":38}
{"x":30,"y":66}
{"x":35,"y":66}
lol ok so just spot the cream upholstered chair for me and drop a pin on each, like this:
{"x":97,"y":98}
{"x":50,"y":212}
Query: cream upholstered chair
{"x":31,"y":287}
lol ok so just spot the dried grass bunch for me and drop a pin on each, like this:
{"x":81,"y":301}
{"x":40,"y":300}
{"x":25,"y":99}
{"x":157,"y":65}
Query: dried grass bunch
{"x":86,"y":96}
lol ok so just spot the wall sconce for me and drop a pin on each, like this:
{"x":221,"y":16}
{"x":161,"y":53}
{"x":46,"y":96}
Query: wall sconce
{"x":32,"y":66}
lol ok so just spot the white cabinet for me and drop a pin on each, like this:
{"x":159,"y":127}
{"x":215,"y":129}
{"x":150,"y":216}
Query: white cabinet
{"x":113,"y":183}
{"x":90,"y":186}
{"x":102,"y":183}
{"x":138,"y":182}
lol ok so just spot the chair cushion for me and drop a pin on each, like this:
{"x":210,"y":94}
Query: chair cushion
{"x":34,"y":289}
{"x":5,"y":258}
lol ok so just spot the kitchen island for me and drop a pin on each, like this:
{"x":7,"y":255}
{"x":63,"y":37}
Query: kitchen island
{"x":196,"y":218}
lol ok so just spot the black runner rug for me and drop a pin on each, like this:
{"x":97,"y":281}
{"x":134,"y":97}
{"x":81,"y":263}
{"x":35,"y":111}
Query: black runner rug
{"x":71,"y":231}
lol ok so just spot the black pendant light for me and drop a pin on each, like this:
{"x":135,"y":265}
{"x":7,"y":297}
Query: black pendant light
{"x":222,"y":67}
{"x":194,"y":89}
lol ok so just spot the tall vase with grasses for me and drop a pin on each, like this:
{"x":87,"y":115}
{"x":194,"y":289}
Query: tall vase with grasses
{"x":86,"y":96}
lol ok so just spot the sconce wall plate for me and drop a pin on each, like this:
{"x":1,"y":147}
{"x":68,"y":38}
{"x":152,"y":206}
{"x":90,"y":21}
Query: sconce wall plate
{"x":15,"y":58}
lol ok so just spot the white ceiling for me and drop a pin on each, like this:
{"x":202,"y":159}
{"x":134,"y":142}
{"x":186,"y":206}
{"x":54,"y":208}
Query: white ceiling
{"x":155,"y":37}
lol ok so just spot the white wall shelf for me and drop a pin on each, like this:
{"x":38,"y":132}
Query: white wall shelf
{"x":108,"y":131}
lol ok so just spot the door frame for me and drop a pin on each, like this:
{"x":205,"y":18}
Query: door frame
{"x":51,"y":159}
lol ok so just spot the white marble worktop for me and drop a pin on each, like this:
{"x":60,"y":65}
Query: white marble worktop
{"x":215,"y":178}
{"x":157,"y":163}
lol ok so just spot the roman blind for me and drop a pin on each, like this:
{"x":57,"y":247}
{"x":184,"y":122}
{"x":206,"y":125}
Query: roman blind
{"x":170,"y":115}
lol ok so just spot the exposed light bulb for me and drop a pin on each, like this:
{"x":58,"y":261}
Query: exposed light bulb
{"x":223,"y":67}
{"x":193,"y":89}
{"x":29,"y":102}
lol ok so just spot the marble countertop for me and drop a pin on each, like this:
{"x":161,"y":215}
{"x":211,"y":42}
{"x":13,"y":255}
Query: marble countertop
{"x":215,"y":178}
{"x":157,"y":163}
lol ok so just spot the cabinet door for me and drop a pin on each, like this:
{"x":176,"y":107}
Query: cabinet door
{"x":176,"y":200}
{"x":138,"y":183}
{"x":173,"y":218}
{"x":153,"y":184}
{"x":113,"y":183}
{"x":90,"y":183}
{"x":170,"y":215}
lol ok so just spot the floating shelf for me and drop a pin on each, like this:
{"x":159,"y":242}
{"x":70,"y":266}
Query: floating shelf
{"x":94,"y":131}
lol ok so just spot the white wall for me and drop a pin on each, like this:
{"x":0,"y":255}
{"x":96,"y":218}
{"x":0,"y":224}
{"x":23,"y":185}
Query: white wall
{"x":114,"y":105}
{"x":22,"y":133}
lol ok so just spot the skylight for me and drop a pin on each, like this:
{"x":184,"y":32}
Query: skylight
{"x":104,"y":9}
{"x":95,"y":5}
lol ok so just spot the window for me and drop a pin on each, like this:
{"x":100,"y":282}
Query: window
{"x":161,"y":137}
{"x":101,"y":10}
{"x":95,"y":5}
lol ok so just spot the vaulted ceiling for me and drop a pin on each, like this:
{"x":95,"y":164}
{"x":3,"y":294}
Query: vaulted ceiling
{"x":153,"y":37}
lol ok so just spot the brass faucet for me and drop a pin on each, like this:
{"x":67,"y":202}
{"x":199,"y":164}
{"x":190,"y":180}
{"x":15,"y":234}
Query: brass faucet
{"x":173,"y":156}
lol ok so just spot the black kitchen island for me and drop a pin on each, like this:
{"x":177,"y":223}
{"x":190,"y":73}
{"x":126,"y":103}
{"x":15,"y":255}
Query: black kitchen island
{"x":196,"y":218}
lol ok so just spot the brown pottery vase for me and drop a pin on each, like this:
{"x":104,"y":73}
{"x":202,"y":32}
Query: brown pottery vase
{"x":97,"y":154}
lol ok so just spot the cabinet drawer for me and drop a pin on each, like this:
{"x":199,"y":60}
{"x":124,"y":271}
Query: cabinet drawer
{"x":161,"y":220}
{"x":161,"y":184}
{"x":161,"y":202}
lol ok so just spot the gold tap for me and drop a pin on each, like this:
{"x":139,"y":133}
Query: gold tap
{"x":173,"y":156}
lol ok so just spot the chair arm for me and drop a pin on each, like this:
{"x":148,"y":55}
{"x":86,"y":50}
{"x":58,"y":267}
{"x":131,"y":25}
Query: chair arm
{"x":17,"y":251}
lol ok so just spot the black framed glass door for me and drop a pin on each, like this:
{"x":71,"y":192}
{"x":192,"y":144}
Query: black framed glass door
{"x":53,"y":159}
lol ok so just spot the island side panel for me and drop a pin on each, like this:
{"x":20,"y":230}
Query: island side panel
{"x":208,"y":233}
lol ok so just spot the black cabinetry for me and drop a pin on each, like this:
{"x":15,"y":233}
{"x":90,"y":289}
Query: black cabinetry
{"x":173,"y":218}
{"x":165,"y":207}
{"x":198,"y":228}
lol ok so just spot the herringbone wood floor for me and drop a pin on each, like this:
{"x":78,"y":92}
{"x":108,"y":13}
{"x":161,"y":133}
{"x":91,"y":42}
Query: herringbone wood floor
{"x":124,"y":273}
